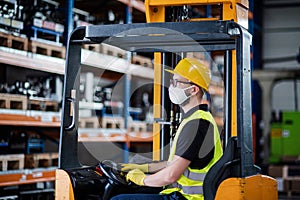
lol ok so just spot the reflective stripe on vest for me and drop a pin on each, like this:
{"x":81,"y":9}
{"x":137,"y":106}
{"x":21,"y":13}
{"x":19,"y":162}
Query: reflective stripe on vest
{"x":192,"y":189}
{"x":194,"y":176}
{"x":189,"y":189}
{"x":191,"y":181}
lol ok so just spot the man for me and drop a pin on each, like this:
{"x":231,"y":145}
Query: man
{"x":196,"y":146}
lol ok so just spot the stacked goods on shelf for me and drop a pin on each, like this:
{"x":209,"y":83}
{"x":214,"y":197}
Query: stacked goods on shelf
{"x":46,"y":19}
{"x":24,"y":148}
{"x":23,"y":106}
{"x":39,"y":25}
{"x":27,"y":161}
{"x":24,"y":161}
{"x":81,"y":17}
{"x":34,"y":94}
{"x":11,"y":16}
{"x":27,"y":110}
{"x":43,"y":30}
{"x":24,"y":25}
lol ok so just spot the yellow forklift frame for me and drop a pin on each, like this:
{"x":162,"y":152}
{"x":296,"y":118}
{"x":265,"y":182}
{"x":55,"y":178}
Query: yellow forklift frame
{"x":234,"y":176}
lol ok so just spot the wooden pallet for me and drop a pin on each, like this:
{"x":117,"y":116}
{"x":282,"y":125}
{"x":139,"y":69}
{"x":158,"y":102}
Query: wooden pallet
{"x":291,"y":185}
{"x":11,"y":162}
{"x":41,"y":160}
{"x":141,"y":60}
{"x":113,"y":51}
{"x":89,"y":122}
{"x":43,"y":105}
{"x":13,"y":101}
{"x":137,"y":126}
{"x":14,"y":42}
{"x":92,"y":47}
{"x":112,"y":122}
{"x":47,"y":49}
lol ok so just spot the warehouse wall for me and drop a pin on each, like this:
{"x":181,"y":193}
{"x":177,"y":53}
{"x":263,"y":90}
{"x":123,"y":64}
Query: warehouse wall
{"x":285,"y":94}
{"x":281,"y":43}
{"x":281,"y":37}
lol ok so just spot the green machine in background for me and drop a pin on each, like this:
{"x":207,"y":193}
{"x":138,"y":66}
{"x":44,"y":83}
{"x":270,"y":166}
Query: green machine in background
{"x":275,"y":142}
{"x":285,"y":138}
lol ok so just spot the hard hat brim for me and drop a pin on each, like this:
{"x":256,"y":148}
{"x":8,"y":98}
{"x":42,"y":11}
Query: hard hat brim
{"x":170,"y":71}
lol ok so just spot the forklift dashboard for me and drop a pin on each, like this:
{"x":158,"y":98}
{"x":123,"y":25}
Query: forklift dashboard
{"x":103,"y":181}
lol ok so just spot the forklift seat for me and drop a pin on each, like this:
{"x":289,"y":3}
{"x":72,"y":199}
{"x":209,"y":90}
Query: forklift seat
{"x":227,"y":166}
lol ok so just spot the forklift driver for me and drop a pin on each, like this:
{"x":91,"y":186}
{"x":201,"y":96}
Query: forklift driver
{"x":196,"y":146}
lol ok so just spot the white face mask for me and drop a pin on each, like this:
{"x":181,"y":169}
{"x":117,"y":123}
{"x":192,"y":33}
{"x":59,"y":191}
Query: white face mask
{"x":178,"y":95}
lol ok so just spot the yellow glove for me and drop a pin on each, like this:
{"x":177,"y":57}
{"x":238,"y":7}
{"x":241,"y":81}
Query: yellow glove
{"x":136,"y":176}
{"x":128,"y":167}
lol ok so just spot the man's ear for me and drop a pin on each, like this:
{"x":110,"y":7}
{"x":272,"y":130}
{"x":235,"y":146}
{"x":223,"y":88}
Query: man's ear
{"x":196,"y":89}
{"x":199,"y":90}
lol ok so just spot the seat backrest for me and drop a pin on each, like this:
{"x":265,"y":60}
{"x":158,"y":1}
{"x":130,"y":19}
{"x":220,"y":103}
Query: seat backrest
{"x":227,"y":166}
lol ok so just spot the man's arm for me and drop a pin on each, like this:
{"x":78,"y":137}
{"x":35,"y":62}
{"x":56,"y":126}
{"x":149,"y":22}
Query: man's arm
{"x":169,"y":174}
{"x":156,"y":166}
{"x":146,"y":168}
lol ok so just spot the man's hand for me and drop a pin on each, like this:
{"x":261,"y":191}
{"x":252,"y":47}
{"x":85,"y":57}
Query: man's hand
{"x":128,"y":167}
{"x":136,"y":176}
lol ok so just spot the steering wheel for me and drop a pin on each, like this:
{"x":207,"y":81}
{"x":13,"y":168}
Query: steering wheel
{"x":109,"y":169}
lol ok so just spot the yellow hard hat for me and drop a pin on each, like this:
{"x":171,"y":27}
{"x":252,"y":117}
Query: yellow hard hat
{"x":193,"y":70}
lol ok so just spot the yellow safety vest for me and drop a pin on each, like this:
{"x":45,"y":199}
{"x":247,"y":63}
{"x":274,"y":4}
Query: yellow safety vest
{"x":190,"y":184}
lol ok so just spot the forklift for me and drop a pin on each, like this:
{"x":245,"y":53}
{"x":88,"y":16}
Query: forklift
{"x":234,"y":176}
